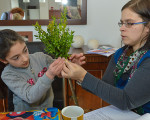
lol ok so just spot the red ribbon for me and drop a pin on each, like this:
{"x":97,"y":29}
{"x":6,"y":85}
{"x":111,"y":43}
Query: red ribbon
{"x":48,"y":114}
{"x":40,"y":74}
{"x":30,"y":81}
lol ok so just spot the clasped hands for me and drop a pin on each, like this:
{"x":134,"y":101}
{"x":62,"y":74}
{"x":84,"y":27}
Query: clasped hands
{"x":68,"y":69}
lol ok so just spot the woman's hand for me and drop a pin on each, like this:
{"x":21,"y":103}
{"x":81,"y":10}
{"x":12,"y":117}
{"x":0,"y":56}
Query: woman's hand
{"x":78,"y":59}
{"x":55,"y":68}
{"x":73,"y":71}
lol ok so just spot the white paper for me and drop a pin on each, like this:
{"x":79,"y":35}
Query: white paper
{"x":144,"y":117}
{"x":111,"y":113}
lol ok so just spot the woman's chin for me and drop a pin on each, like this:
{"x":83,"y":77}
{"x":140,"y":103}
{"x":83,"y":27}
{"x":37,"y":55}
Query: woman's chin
{"x":125,"y":43}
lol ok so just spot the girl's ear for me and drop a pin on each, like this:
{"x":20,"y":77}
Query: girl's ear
{"x":3,"y":61}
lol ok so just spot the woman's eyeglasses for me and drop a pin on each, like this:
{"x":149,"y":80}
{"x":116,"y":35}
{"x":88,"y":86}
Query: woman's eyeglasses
{"x":128,"y":25}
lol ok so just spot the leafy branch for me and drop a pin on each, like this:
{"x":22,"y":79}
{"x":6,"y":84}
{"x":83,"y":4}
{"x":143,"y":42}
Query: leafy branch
{"x":58,"y":37}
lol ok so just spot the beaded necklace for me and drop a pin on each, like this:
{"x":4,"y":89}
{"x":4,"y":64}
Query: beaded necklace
{"x":126,"y":62}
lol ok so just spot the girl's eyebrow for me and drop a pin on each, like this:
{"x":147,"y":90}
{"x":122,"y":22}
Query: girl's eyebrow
{"x":18,"y":55}
{"x":14,"y":56}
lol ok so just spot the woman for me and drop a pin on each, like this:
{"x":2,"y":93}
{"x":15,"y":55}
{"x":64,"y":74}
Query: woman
{"x":126,"y":81}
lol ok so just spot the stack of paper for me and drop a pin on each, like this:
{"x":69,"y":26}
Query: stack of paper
{"x":144,"y":117}
{"x":111,"y":113}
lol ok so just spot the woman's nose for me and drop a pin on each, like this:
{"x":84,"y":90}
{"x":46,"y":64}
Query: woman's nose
{"x":122,"y":27}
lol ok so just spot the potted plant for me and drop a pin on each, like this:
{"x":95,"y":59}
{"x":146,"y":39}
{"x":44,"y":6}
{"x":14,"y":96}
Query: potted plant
{"x":58,"y":37}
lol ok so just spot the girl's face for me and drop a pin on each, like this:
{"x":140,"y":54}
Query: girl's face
{"x":18,"y":55}
{"x":134,"y":34}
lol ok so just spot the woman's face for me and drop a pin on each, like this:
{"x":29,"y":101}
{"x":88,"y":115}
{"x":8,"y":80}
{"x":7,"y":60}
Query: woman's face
{"x":133,"y":35}
{"x":18,"y":55}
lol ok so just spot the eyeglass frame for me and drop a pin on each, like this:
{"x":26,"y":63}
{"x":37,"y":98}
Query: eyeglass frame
{"x":128,"y":24}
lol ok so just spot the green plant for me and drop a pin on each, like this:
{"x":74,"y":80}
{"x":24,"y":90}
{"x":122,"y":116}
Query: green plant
{"x":58,"y":37}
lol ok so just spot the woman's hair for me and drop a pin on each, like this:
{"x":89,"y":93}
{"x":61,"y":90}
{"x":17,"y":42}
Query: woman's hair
{"x":142,"y":8}
{"x":7,"y":39}
{"x":17,"y":10}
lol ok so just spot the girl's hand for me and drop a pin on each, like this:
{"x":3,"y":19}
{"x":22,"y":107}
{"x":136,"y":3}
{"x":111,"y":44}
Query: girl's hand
{"x":55,"y":68}
{"x":73,"y":71}
{"x":78,"y":59}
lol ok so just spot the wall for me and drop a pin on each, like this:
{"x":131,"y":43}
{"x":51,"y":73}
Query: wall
{"x":4,"y":8}
{"x":14,"y":4}
{"x":44,"y":7}
{"x":102,"y":22}
{"x":52,"y":3}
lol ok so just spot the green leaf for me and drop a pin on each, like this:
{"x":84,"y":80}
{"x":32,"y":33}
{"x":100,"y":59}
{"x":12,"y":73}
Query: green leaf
{"x":58,"y":37}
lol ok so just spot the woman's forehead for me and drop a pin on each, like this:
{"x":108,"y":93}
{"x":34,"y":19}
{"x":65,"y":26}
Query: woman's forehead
{"x":129,"y":15}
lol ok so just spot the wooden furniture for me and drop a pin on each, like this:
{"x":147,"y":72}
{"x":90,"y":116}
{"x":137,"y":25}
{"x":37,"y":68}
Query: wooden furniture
{"x":27,"y":35}
{"x":96,"y":65}
{"x":3,"y":92}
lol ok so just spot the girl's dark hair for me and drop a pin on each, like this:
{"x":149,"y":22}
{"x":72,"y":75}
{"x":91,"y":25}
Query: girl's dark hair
{"x":7,"y":39}
{"x":142,"y":8}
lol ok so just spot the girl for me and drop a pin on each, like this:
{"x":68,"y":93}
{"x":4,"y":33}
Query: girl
{"x":29,"y":76}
